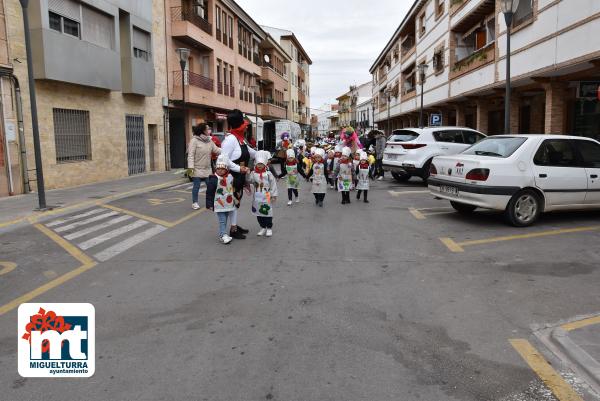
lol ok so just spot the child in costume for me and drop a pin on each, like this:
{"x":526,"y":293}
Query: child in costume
{"x":318,"y":174}
{"x":329,"y":163}
{"x":345,"y":175}
{"x":362,"y":176}
{"x":355,"y":163}
{"x":293,"y":167}
{"x":264,"y":186}
{"x":219,"y":196}
{"x":336,"y":163}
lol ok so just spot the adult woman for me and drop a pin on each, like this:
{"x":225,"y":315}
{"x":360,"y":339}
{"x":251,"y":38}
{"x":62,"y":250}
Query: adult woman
{"x":200,"y":151}
{"x":236,"y":148}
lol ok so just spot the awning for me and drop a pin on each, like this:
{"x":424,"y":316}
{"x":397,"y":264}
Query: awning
{"x":259,"y":122}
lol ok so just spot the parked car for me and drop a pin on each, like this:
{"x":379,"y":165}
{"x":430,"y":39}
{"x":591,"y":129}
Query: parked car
{"x":409,"y":151}
{"x":521,"y":175}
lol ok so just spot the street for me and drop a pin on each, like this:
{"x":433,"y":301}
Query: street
{"x":399,"y":299}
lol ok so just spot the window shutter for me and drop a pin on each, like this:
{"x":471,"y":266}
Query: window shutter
{"x":97,"y":28}
{"x":66,"y":8}
{"x":141,"y":39}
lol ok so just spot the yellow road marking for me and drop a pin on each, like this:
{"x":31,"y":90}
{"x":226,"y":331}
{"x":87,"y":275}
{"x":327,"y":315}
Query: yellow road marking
{"x":35,"y":217}
{"x":7,"y":267}
{"x":531,"y":235}
{"x":581,"y":323}
{"x":168,"y":201}
{"x":398,"y":193}
{"x":416,"y":213}
{"x":140,"y":216}
{"x":451,"y":245}
{"x":45,"y":288}
{"x":67,"y":246}
{"x":561,"y":389}
{"x":189,"y":216}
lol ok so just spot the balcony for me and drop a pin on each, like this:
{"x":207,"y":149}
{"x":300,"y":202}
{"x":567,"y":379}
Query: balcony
{"x":220,"y":88}
{"x":273,"y":109}
{"x":301,"y":74}
{"x":269,"y":74}
{"x":474,"y":61}
{"x":190,"y":28}
{"x":301,"y":97}
{"x":192,"y":79}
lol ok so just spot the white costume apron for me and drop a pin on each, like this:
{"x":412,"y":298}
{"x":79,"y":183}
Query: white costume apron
{"x":262,"y":204}
{"x":319,"y":181}
{"x":224,"y":201}
{"x":362,"y":179}
{"x":292,"y":176}
{"x":345,"y":177}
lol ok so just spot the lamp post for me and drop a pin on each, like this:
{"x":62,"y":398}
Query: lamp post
{"x":388,"y":93}
{"x":37,"y":148}
{"x":509,"y":7}
{"x":422,"y":69}
{"x":373,"y":103}
{"x":184,"y":54}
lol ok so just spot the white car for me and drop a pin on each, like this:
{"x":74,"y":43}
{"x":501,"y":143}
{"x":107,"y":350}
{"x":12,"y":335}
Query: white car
{"x":409,"y":151}
{"x":522,"y":175}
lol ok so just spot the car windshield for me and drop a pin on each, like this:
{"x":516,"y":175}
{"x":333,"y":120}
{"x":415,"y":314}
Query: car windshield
{"x":403,"y":136}
{"x":496,"y":147}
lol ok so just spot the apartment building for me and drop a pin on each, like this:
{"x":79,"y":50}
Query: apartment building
{"x":100,"y":78}
{"x":461,"y":44}
{"x":298,"y":77}
{"x":274,"y":79}
{"x":349,"y":101}
{"x":222,"y":72}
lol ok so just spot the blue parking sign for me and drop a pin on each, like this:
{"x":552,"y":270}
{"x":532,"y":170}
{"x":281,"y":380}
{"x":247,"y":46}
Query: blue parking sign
{"x":435,"y":120}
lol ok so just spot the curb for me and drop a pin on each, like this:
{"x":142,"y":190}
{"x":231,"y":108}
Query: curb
{"x":576,"y":354}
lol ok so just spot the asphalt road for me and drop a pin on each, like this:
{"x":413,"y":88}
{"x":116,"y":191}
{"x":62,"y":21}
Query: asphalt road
{"x":354,"y":302}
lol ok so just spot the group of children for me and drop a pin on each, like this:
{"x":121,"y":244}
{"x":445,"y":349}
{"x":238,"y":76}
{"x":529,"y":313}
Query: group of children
{"x":339,"y":169}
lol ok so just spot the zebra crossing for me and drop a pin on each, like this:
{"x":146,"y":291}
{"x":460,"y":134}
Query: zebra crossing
{"x":104,"y":233}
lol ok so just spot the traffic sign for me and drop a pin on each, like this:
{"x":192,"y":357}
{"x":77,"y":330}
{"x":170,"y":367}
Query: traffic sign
{"x":435,"y":120}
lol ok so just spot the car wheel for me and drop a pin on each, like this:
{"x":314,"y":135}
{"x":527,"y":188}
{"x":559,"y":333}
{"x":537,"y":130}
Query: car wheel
{"x":524,"y":208}
{"x":401,"y":177}
{"x":426,"y":173}
{"x":463,"y":208}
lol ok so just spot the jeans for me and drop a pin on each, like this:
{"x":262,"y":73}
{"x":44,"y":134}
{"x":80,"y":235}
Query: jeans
{"x":292,"y":191}
{"x":196,"y":187}
{"x":223,"y":218}
{"x":319,"y":198}
{"x":265,"y":222}
{"x":379,"y":172}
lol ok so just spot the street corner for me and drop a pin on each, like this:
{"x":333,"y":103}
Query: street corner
{"x":578,"y":342}
{"x":167,"y":207}
{"x":30,"y":259}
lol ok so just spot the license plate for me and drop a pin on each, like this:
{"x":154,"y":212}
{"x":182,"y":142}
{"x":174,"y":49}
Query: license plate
{"x":392,"y":157}
{"x":449,"y":190}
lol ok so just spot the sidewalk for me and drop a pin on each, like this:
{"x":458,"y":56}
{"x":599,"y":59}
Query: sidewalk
{"x":18,"y":210}
{"x":580,"y":342}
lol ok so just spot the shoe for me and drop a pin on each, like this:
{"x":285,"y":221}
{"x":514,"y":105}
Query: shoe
{"x":380,"y":179}
{"x":297,"y":200}
{"x":343,"y":201}
{"x":242,"y":230}
{"x":226,"y":239}
{"x":269,"y":232}
{"x":237,"y":234}
{"x":261,"y":232}
{"x":289,"y":203}
{"x":320,"y":204}
{"x":195,"y":206}
{"x":358,"y":196}
{"x":366,"y":201}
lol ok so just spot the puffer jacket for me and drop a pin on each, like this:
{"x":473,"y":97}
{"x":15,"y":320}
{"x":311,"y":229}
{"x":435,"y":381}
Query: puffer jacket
{"x":200,"y":155}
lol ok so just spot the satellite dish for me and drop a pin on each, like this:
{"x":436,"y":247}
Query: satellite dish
{"x":267,"y":58}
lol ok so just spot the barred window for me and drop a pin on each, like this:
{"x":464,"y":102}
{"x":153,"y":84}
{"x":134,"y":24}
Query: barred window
{"x":72,"y":135}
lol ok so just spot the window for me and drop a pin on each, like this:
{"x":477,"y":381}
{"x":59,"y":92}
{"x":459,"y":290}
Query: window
{"x":475,"y":39}
{"x":409,"y":80}
{"x":496,"y":147}
{"x":72,"y":135}
{"x":64,"y":25}
{"x":438,"y":60}
{"x":472,"y":137}
{"x":218,"y":15}
{"x":200,"y":9}
{"x":524,"y":12}
{"x":230,"y":30}
{"x":141,"y":44}
{"x":422,"y":24}
{"x":97,"y":28}
{"x":224,"y":22}
{"x":451,"y":136}
{"x":556,"y":153}
{"x":55,"y":22}
{"x":590,"y":153}
{"x":403,"y":136}
{"x":439,"y":8}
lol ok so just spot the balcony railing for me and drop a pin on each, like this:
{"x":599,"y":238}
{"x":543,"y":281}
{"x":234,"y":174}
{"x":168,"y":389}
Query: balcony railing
{"x":274,"y":102}
{"x":226,"y":90}
{"x":194,"y":79}
{"x":256,"y":59}
{"x":178,"y":14}
{"x":231,"y":91}
{"x":220,"y":88}
{"x":271,"y":67}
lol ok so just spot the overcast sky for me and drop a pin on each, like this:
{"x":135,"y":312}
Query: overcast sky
{"x":342,"y":37}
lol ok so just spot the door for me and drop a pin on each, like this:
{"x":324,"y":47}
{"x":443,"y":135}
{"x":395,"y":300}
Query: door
{"x":559,"y":174}
{"x":152,"y":144}
{"x":590,"y":156}
{"x":450,"y":142}
{"x":136,"y":148}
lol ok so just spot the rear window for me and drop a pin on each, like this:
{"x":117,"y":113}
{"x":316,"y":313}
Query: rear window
{"x":403,"y":136}
{"x":496,"y":147}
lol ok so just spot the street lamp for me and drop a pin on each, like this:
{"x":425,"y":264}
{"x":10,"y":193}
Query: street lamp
{"x":184,"y":55}
{"x":388,"y":93}
{"x":373,"y":104}
{"x":509,"y":8}
{"x":39,"y":172}
{"x":422,"y":69}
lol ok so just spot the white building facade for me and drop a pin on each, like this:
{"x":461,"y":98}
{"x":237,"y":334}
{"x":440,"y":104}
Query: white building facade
{"x":555,"y":61}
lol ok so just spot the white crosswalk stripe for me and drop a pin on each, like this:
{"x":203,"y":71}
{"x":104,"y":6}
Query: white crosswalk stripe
{"x":111,"y":234}
{"x":109,"y":223}
{"x":101,"y":228}
{"x":85,"y":222}
{"x":128,"y":243}
{"x":76,"y":217}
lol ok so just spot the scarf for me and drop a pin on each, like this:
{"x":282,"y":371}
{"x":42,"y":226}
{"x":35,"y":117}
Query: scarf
{"x":291,"y":163}
{"x":364,"y":165}
{"x":260,"y":171}
{"x":347,"y":161}
{"x":203,"y":138}
{"x":240,"y":132}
